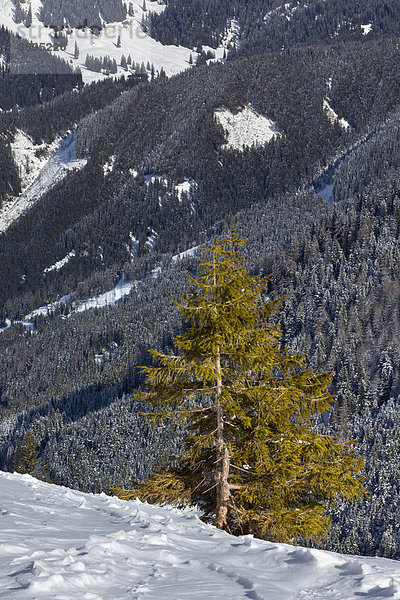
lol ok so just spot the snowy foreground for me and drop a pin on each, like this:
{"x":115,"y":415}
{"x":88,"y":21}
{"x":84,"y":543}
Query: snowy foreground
{"x":59,"y":544}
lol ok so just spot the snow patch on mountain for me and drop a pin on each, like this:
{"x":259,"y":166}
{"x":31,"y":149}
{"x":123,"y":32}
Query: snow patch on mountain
{"x":61,"y":544}
{"x":285,"y":10}
{"x":245,"y":127}
{"x":187,"y":187}
{"x":151,"y":240}
{"x":7,"y":325}
{"x":333,"y":116}
{"x":48,"y":309}
{"x":366,"y":28}
{"x":327,"y":193}
{"x":109,"y":165}
{"x":29,"y":158}
{"x":186,"y":253}
{"x":133,"y":245}
{"x":41,"y":172}
{"x":153,"y":177}
{"x":230,"y":40}
{"x":60,"y":263}
{"x":121,"y":290}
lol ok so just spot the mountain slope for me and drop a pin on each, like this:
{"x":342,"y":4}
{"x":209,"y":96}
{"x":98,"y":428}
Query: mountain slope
{"x":58,"y":544}
{"x":274,"y":24}
{"x":163,"y":135}
{"x":95,"y":29}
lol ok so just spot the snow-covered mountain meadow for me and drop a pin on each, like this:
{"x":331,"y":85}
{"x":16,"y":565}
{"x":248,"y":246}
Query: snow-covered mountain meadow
{"x":60,"y":544}
{"x":127,"y":37}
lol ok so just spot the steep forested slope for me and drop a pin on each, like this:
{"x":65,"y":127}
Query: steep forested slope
{"x":45,"y":119}
{"x":159,"y":136}
{"x":269,"y":24}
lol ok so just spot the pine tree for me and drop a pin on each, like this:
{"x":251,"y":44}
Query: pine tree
{"x":26,"y":455}
{"x":251,"y":458}
{"x":28,"y":18}
{"x":19,"y":13}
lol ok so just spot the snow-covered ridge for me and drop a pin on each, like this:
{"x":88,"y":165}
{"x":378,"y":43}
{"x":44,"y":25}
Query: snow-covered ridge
{"x":42,"y":172}
{"x":245,"y":127}
{"x":59,"y":544}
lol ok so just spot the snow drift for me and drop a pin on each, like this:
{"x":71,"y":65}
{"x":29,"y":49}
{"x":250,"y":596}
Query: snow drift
{"x":58,"y":544}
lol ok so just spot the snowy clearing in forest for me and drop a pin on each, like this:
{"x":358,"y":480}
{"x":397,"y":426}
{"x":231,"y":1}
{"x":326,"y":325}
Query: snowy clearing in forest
{"x":245,"y":127}
{"x":44,"y":172}
{"x":60,"y":263}
{"x":186,"y":253}
{"x":120,"y":290}
{"x":333,"y":116}
{"x":186,"y":187}
{"x":60,"y":544}
{"x":30,"y":158}
{"x":230,"y":40}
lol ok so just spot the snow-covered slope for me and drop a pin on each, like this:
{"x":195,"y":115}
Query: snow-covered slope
{"x":333,"y":117}
{"x":121,"y":289}
{"x":134,"y":41}
{"x":39,"y":173}
{"x":58,"y":544}
{"x":245,"y":127}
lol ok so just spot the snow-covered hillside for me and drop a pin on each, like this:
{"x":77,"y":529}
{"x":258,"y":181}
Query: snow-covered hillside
{"x":40,"y":167}
{"x":245,"y":127}
{"x":58,"y":544}
{"x":115,"y":39}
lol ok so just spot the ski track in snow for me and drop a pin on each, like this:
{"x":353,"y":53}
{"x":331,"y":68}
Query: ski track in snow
{"x":55,"y":169}
{"x":60,"y":544}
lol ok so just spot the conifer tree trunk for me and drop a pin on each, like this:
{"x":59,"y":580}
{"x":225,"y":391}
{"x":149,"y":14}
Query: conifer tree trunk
{"x":222,"y":464}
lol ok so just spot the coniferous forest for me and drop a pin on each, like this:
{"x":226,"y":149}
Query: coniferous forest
{"x":319,"y":205}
